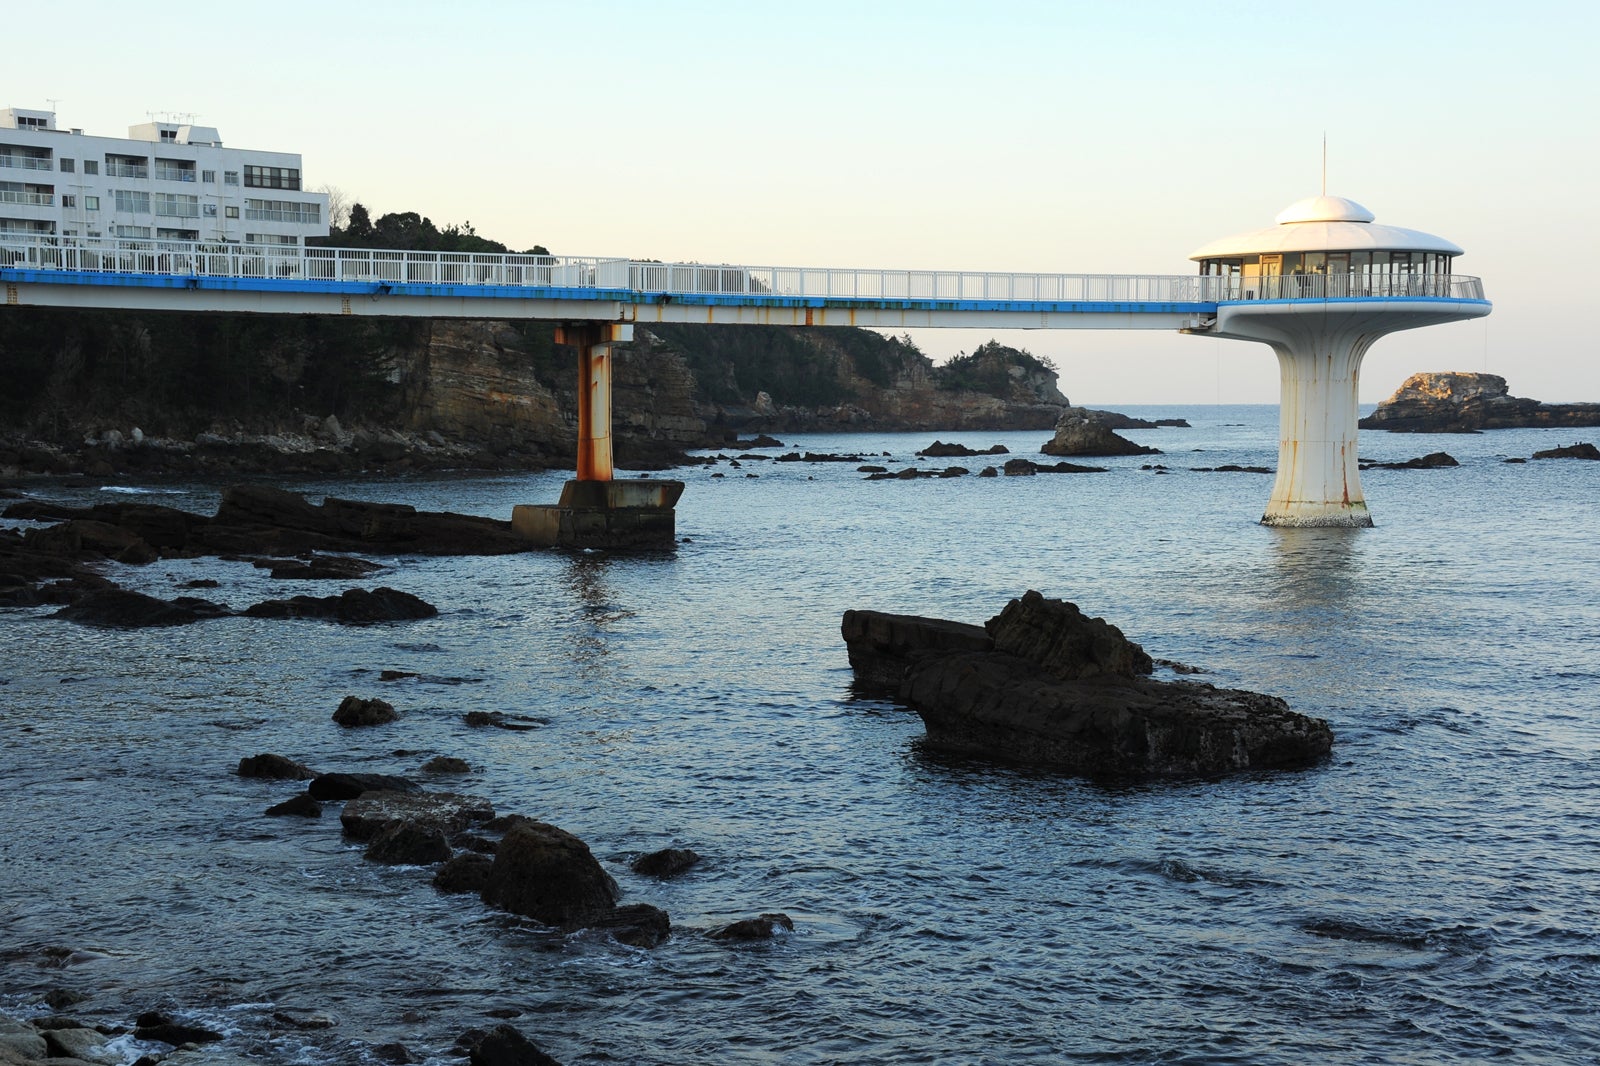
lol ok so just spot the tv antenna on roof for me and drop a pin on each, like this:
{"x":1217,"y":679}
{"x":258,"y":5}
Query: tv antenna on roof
{"x":52,"y":101}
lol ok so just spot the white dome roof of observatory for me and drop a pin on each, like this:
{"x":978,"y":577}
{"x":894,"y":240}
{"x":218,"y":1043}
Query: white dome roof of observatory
{"x":1325,"y":224}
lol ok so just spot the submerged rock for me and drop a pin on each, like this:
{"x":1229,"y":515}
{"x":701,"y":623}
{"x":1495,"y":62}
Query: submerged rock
{"x":352,"y":607}
{"x":1045,"y":685}
{"x":763,"y":927}
{"x":117,"y":608}
{"x":354,"y":712}
{"x":1582,"y":450}
{"x":274,"y":768}
{"x":668,"y":862}
{"x":348,"y":786}
{"x":1431,"y":461}
{"x":504,"y":1046}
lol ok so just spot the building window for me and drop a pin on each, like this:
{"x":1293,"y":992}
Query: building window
{"x":91,"y":166}
{"x":169,"y":135}
{"x":69,"y":201}
{"x":208,"y":176}
{"x":127,"y":166}
{"x":230,"y":177}
{"x":26,"y":122}
{"x":133,"y":202}
{"x":176,"y":205}
{"x":177,"y":234}
{"x":211,"y":210}
{"x":69,"y":233}
{"x":93,"y":233}
{"x":272,"y":178}
{"x":232,"y":211}
{"x":68,"y":166}
{"x":174,"y":170}
{"x":91,"y":203}
{"x":283,"y":211}
{"x":130,"y":231}
{"x":272,"y":239}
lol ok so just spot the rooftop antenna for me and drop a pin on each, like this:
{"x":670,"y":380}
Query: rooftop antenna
{"x":52,"y":101}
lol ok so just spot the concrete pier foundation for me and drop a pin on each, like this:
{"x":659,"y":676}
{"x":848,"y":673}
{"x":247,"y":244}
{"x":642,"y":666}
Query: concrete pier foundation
{"x":596,"y":510}
{"x":629,"y":515}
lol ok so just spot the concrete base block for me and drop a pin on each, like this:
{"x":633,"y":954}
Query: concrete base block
{"x":626,"y":515}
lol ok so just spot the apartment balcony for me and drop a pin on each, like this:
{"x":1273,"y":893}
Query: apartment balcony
{"x":26,"y":162}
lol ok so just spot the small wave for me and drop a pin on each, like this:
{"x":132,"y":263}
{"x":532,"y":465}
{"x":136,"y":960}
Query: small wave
{"x":135,"y":490}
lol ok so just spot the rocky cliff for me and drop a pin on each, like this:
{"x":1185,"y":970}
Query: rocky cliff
{"x":1464,"y":402}
{"x":195,"y":393}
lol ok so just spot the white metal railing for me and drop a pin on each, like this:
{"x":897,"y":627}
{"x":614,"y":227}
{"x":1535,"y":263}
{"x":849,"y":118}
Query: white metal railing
{"x":173,"y":173}
{"x":667,"y":280}
{"x":25,"y":162}
{"x":35,"y":199}
{"x":126,"y":170}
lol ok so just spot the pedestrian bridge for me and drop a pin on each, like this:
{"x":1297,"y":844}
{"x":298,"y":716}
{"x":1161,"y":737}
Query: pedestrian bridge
{"x":180,"y":276}
{"x":1319,"y":320}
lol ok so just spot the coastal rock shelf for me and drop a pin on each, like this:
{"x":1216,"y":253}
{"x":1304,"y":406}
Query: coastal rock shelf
{"x":1462,"y":402}
{"x":1043,"y":684}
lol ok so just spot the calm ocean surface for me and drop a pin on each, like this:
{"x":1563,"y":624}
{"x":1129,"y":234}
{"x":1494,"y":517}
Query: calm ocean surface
{"x":1430,"y":895}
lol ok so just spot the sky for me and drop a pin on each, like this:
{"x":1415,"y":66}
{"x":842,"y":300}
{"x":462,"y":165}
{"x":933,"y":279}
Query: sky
{"x":1100,"y":138}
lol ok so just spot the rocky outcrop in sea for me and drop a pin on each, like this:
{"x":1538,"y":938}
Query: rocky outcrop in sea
{"x":1043,"y":684}
{"x":1081,"y":431}
{"x":1465,"y":402}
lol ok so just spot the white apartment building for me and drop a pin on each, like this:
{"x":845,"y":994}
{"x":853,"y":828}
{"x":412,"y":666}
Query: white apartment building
{"x":164,"y":181}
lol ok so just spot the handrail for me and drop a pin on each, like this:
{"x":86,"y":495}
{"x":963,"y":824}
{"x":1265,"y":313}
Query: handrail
{"x":651,"y":279}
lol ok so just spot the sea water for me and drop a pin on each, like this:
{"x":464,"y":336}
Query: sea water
{"x":1430,"y":893}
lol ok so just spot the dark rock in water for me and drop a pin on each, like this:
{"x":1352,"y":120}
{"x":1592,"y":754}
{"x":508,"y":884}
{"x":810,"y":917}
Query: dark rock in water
{"x":1465,"y":402}
{"x":1179,"y":668}
{"x":761,"y":928}
{"x":882,"y":646}
{"x":1063,"y":641}
{"x":872,"y":469}
{"x":941,"y":450}
{"x":367,"y":815}
{"x":466,"y":872}
{"x":305,"y":1019}
{"x":354,"y":712}
{"x":446,"y":764}
{"x":516,"y":723}
{"x":202,"y":583}
{"x":324,"y":568}
{"x":58,"y":998}
{"x":1066,"y":468}
{"x":638,"y":925}
{"x":275,"y":768}
{"x":668,"y":862}
{"x":299,"y":806}
{"x":1081,"y":432}
{"x":396,"y":1053}
{"x":1571,"y":451}
{"x":409,"y":844}
{"x":1431,"y":461}
{"x":1058,"y":689}
{"x":116,"y":608}
{"x":505,"y":1046}
{"x":349,"y":786}
{"x":398,"y":675}
{"x":75,"y":1044}
{"x":988,"y":471}
{"x":352,"y":607}
{"x":156,"y":1025}
{"x":266,"y":520}
{"x":549,"y":875}
{"x":1020,"y":468}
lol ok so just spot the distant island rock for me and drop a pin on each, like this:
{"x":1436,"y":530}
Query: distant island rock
{"x":1081,"y":431}
{"x":1043,"y":684}
{"x":1464,"y":402}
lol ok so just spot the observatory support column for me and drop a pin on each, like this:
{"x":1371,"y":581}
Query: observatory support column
{"x":596,"y":510}
{"x":1319,"y":477}
{"x":1319,"y":366}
